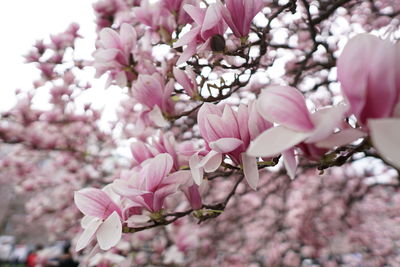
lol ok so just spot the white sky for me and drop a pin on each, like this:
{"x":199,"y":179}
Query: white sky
{"x":24,"y":21}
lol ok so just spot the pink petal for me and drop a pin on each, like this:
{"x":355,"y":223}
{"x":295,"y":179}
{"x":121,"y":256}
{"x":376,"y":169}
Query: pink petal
{"x":189,"y":51}
{"x":140,"y":152}
{"x":250,"y":170}
{"x":368,"y":72}
{"x":326,"y":120}
{"x":161,"y":194}
{"x":229,"y":117}
{"x":243,"y":118}
{"x":344,"y":137}
{"x":188,"y":38}
{"x":124,"y":188}
{"x":196,"y":13}
{"x":229,"y":20}
{"x":87,"y":234}
{"x":148,"y":90}
{"x":109,"y":38}
{"x":193,"y":195}
{"x":289,"y":160}
{"x":352,"y":67}
{"x":385,"y":138}
{"x":182,"y":78}
{"x":156,"y":169}
{"x":252,"y":7}
{"x":286,"y":106}
{"x":121,"y":79}
{"x":94,"y":202}
{"x":256,"y":123}
{"x":156,"y":116}
{"x":211,"y":161}
{"x":383,"y":81}
{"x":128,"y":37}
{"x":275,"y":141}
{"x":212,"y":19}
{"x":206,"y":131}
{"x":87,"y":220}
{"x":226,"y":145}
{"x":105,"y":55}
{"x":110,"y":232}
{"x":195,"y":169}
{"x":179,"y":177}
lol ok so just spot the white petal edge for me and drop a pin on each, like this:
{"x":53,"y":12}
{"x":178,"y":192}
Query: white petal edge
{"x":211,"y":161}
{"x":87,"y":234}
{"x":110,"y":232}
{"x":195,"y":169}
{"x":250,"y":170}
{"x":225,"y":145}
{"x":86,"y":220}
{"x":341,"y":138}
{"x":157,"y":117}
{"x":274,"y":141}
{"x":385,"y":138}
{"x":326,"y":120}
{"x":290,"y":163}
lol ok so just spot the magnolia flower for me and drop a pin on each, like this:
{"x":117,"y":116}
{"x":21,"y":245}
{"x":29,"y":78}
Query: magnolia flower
{"x":155,"y":16}
{"x":187,"y":80}
{"x":155,"y":95}
{"x":152,"y":184}
{"x":238,"y":14}
{"x":114,"y":53}
{"x":369,"y":73}
{"x":191,"y":190}
{"x":228,"y":132}
{"x":102,"y":217}
{"x":287,"y":107}
{"x":176,"y":8}
{"x":162,"y":143}
{"x":208,"y":23}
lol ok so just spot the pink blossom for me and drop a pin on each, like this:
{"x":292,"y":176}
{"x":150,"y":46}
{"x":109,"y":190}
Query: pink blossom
{"x":152,"y":184}
{"x":207,"y":23}
{"x":102,"y":217}
{"x":176,"y":7}
{"x":191,"y":190}
{"x":228,"y":132}
{"x":287,"y":107}
{"x":155,"y":16}
{"x":187,"y":80}
{"x":152,"y":92}
{"x":369,"y":73}
{"x":163,"y":143}
{"x":115,"y":53}
{"x":238,"y":14}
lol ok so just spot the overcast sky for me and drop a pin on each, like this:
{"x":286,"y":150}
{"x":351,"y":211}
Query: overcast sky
{"x":24,"y":21}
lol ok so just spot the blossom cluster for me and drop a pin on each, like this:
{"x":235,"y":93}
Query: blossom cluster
{"x":209,"y":121}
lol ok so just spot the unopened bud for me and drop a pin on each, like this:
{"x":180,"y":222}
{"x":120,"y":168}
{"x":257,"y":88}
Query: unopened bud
{"x":217,"y":43}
